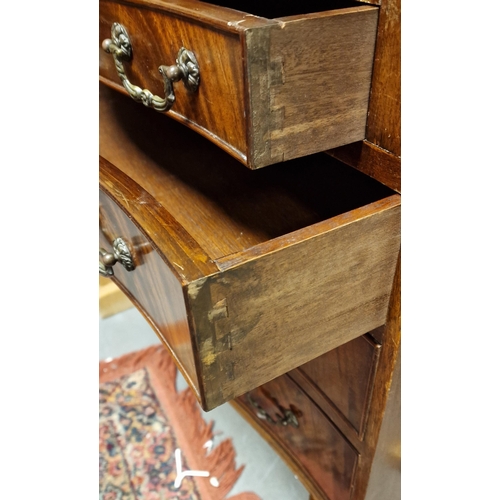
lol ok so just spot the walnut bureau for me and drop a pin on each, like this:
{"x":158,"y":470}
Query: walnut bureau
{"x":267,"y":265}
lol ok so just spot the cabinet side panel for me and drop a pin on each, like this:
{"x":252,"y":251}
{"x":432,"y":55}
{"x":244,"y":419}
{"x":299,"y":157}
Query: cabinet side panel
{"x":384,"y":122}
{"x":344,"y":377}
{"x":385,"y":476}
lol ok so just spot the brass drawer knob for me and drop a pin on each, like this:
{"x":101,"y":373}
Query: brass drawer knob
{"x":121,"y":254}
{"x":185,"y":69}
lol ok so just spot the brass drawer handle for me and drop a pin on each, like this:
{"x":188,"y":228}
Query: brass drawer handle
{"x":121,"y":254}
{"x":185,"y":69}
{"x":289,"y":417}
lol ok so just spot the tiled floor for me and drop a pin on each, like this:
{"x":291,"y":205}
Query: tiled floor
{"x":265,"y":473}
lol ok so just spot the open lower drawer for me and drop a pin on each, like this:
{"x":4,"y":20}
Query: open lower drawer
{"x":243,"y":275}
{"x":267,"y":81}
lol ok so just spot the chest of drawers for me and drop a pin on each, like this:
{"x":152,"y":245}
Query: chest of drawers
{"x":277,"y":289}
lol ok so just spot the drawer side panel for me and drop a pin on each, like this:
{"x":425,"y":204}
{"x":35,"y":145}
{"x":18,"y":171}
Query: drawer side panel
{"x":290,"y":306}
{"x":316,"y":83}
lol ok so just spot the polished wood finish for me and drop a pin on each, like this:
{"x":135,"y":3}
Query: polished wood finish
{"x":239,"y":274}
{"x":153,"y":286}
{"x":156,"y":38}
{"x":377,"y":473}
{"x":219,"y":231}
{"x":271,"y":89}
{"x":342,"y":380}
{"x":326,"y":460}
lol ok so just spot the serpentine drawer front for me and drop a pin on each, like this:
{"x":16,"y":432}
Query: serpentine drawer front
{"x":244,"y":275}
{"x":268,"y":82}
{"x":313,"y":446}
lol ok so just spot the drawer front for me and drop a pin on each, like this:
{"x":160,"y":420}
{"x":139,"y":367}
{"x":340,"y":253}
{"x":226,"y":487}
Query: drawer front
{"x":216,"y":109}
{"x":270,"y":90}
{"x":304,"y":436}
{"x":344,"y":377}
{"x":152,"y":286}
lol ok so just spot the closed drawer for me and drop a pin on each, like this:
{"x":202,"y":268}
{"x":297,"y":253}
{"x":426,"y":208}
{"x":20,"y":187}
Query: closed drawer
{"x":275,"y":83}
{"x":343,"y":378}
{"x":246,"y":275}
{"x":306,"y":438}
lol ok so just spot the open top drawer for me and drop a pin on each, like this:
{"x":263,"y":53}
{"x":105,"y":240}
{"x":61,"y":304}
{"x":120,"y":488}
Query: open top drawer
{"x":243,"y":275}
{"x":268,"y":82}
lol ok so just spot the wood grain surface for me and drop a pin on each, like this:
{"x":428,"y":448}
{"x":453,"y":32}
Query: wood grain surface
{"x":258,"y":97}
{"x":384,"y":122}
{"x":382,"y":448}
{"x":385,"y":474}
{"x":379,"y":155}
{"x":225,"y":207}
{"x":279,"y":265}
{"x":301,"y":244}
{"x":316,"y":450}
{"x":335,"y":286}
{"x":152,"y":286}
{"x":344,"y":376}
{"x":156,"y":39}
{"x":315,"y":87}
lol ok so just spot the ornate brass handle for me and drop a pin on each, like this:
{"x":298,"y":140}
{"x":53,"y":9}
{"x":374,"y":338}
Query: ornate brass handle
{"x":185,"y":69}
{"x":289,"y":417}
{"x":121,"y":254}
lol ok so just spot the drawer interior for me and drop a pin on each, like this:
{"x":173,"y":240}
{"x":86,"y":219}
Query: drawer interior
{"x":225,"y":207}
{"x":283,"y":8}
{"x":270,"y":268}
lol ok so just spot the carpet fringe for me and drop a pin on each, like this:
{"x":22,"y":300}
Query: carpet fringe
{"x":220,"y":461}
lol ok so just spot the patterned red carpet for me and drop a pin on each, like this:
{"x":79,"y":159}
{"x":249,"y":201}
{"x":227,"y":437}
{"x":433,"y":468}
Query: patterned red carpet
{"x":153,"y":441}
